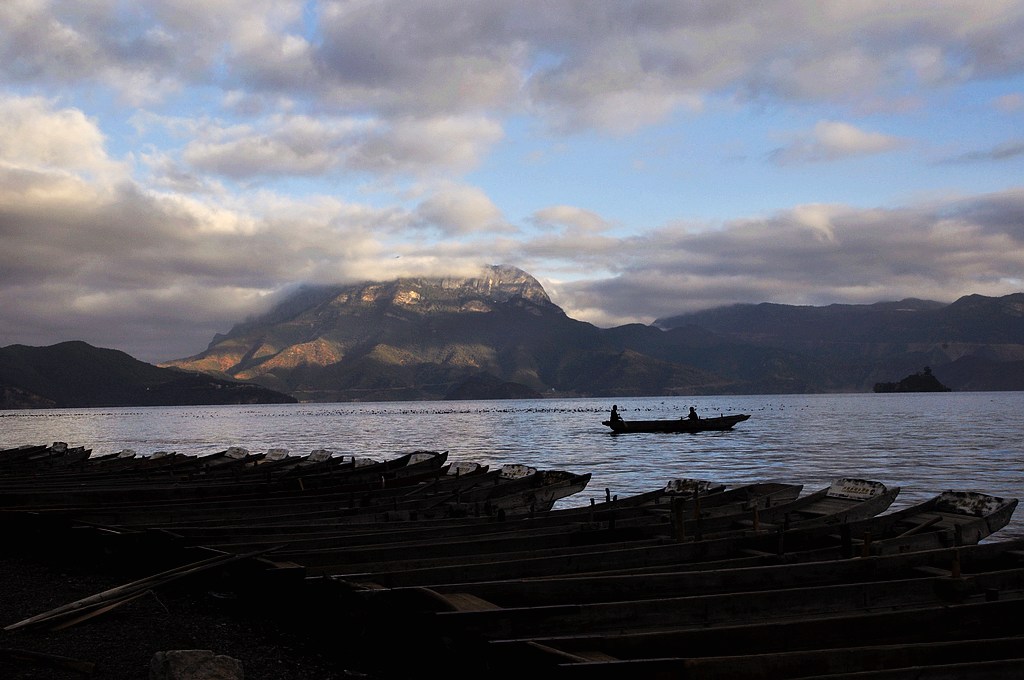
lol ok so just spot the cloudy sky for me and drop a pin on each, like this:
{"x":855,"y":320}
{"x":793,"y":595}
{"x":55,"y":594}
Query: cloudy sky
{"x":169,"y":167}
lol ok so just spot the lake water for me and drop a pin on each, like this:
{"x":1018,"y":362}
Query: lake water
{"x":923,"y":443}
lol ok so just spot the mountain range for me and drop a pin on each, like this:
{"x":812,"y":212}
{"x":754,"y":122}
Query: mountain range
{"x":498,"y":335}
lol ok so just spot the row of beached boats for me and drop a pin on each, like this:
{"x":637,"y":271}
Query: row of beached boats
{"x":479,"y":574}
{"x":167,"y":489}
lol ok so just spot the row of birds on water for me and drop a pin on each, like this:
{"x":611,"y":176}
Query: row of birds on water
{"x":426,"y":411}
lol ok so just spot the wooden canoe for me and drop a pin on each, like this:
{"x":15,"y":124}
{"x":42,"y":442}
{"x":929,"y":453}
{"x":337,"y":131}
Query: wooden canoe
{"x":715,"y":424}
{"x":755,"y":641}
{"x":522,"y":592}
{"x":643,"y":508}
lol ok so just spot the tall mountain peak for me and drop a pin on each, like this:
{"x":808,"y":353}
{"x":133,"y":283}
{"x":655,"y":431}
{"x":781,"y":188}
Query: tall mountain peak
{"x":393,"y":323}
{"x":494,"y":284}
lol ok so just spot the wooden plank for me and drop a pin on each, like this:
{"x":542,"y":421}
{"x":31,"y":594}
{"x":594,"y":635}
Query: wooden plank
{"x":79,"y":610}
{"x":465,"y":602}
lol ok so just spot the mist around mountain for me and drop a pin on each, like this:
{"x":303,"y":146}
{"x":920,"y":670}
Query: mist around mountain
{"x":498,"y":335}
{"x":75,"y":374}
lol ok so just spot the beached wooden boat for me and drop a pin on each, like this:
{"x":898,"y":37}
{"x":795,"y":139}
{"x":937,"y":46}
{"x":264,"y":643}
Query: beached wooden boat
{"x":913,"y":528}
{"x":469,"y":491}
{"x":701,"y":610}
{"x":34,"y":460}
{"x":626,"y":519}
{"x":261,"y":503}
{"x":717,"y":423}
{"x":998,"y":657}
{"x":14,"y":456}
{"x":689,"y":498}
{"x":697,"y":580}
{"x":846,"y":499}
{"x":185,"y":479}
{"x":496,"y":501}
{"x":755,"y":640}
{"x":568,"y":529}
{"x":598,"y":623}
{"x":363,"y":531}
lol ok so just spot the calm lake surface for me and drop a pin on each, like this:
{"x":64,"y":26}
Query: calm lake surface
{"x":923,"y":443}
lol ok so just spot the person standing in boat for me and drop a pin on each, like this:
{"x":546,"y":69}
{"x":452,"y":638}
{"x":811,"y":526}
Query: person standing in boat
{"x":693,"y":414}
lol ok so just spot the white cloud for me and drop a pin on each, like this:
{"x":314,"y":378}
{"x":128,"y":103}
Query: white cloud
{"x":461,"y":210}
{"x":576,"y":220}
{"x":835,"y":140}
{"x":419,"y":146}
{"x":291,"y":145}
{"x":36,"y":135}
{"x":298,"y":145}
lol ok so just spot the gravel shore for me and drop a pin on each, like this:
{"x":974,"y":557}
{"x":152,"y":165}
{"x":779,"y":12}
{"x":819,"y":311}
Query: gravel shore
{"x":120,"y":643}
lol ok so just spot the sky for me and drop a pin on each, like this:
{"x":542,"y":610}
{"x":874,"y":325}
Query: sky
{"x":169,"y":168}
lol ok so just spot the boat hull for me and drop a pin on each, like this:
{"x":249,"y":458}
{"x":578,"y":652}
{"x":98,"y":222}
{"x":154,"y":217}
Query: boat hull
{"x":717,"y":424}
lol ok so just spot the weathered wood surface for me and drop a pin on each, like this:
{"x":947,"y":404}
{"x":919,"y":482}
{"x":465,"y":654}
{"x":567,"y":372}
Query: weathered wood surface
{"x":979,"y":659}
{"x":962,"y":560}
{"x":988,"y":619}
{"x":700,"y":611}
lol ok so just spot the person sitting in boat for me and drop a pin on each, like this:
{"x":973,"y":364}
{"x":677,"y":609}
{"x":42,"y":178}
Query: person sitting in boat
{"x":693,"y":414}
{"x":615,"y":417}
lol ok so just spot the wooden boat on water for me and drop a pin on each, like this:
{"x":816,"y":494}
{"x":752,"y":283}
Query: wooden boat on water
{"x":714,"y":424}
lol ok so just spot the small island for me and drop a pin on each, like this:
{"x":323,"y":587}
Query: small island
{"x":918,"y":382}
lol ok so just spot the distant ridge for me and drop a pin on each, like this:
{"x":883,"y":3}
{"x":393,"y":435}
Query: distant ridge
{"x":76,"y":374}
